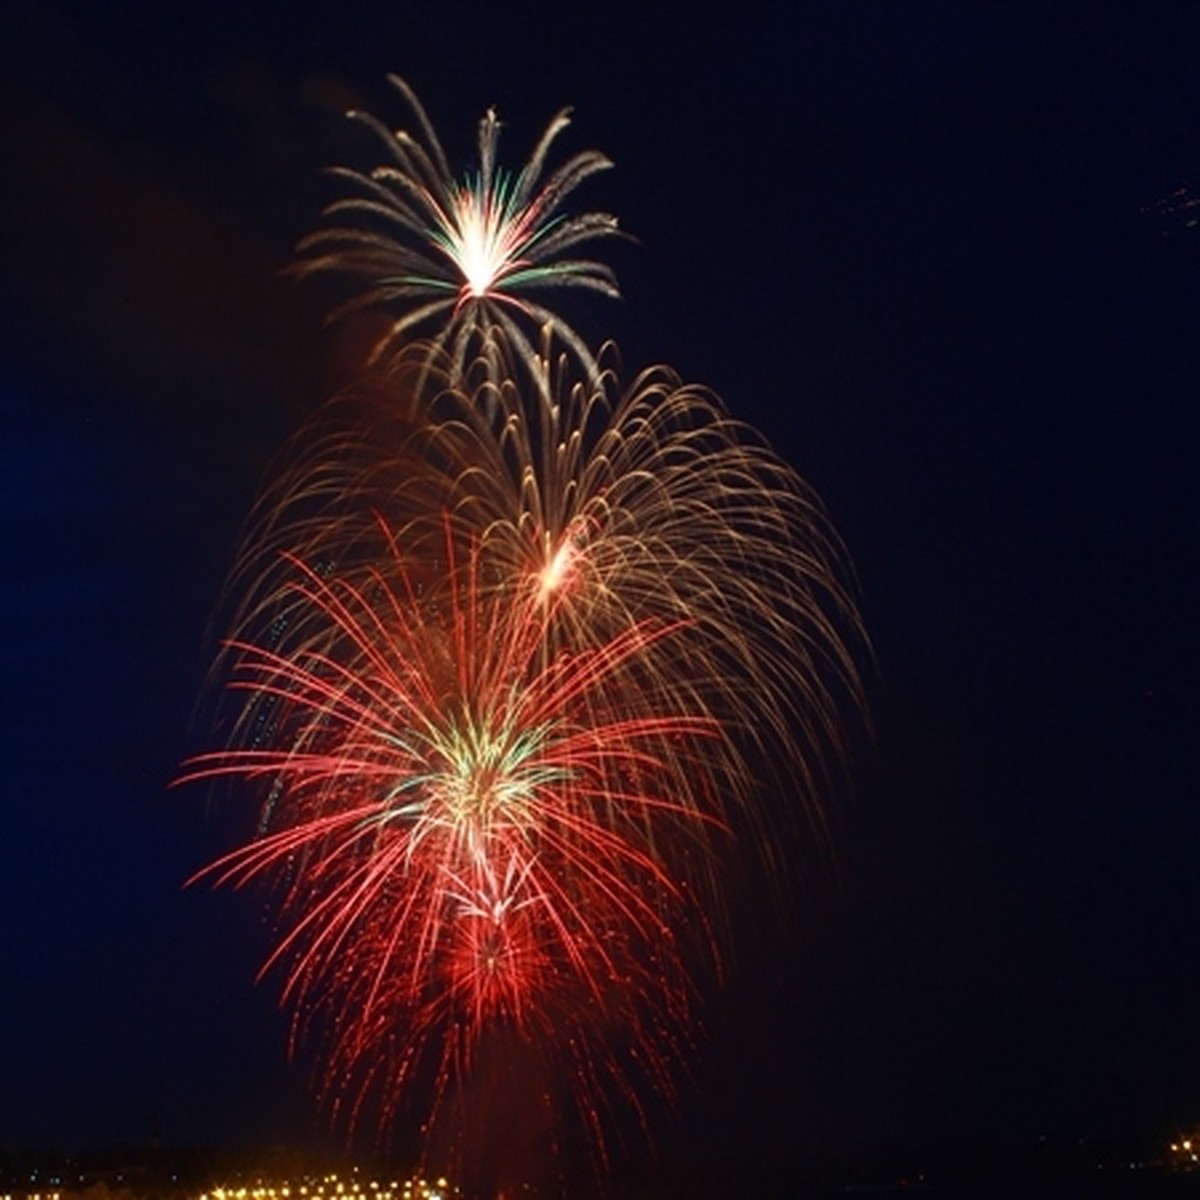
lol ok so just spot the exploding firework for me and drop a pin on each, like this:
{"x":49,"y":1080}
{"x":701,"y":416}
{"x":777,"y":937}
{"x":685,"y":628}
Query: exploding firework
{"x":478,"y":840}
{"x":610,"y":507}
{"x":513,"y":674}
{"x":461,"y":253}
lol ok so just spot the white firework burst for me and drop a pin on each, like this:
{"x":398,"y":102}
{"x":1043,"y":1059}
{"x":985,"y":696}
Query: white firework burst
{"x":463,"y":252}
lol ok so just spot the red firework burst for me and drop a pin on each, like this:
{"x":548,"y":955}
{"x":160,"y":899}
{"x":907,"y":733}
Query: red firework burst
{"x":474,"y":835}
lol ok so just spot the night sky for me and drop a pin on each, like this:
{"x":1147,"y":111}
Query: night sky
{"x":920,"y":247}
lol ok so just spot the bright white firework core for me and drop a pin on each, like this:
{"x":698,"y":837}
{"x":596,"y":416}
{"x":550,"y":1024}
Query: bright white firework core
{"x":482,"y":242}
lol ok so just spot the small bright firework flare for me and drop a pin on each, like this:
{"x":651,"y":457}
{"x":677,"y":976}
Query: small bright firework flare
{"x":462,"y":252}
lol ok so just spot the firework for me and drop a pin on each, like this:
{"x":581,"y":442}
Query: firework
{"x":511,"y":684}
{"x":610,"y":507}
{"x":516,"y":654}
{"x":462,"y":253}
{"x":477,"y":839}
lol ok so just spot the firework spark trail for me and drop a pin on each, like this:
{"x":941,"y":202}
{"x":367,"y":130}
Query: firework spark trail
{"x":461,"y":253}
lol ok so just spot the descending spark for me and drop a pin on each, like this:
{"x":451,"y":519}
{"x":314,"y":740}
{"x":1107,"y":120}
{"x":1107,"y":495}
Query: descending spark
{"x":465,"y":252}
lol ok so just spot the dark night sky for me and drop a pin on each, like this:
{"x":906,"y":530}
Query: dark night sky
{"x":909,"y":243}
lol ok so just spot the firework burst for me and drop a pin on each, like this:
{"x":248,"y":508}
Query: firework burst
{"x":476,"y":837}
{"x":609,"y":507}
{"x":461,"y":253}
{"x":514,"y":673}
